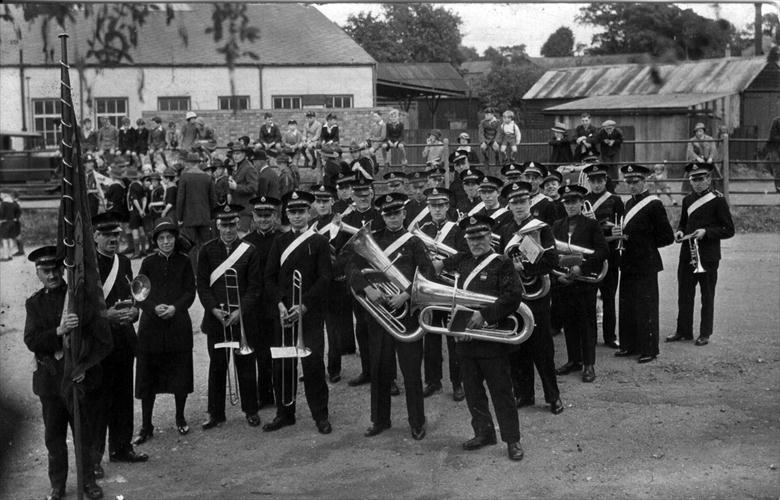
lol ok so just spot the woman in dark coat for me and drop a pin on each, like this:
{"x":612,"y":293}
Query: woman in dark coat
{"x":164,"y":363}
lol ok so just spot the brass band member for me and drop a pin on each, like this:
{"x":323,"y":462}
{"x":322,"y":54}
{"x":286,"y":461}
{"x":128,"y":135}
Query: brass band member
{"x":470,"y":179}
{"x":215,"y":257}
{"x":541,"y":206}
{"x":705,"y":215}
{"x":491,"y":205}
{"x":408,"y":254}
{"x":538,"y":350}
{"x":165,"y":331}
{"x":512,"y":173}
{"x":550,"y":186}
{"x":578,"y":298}
{"x":44,"y":331}
{"x":342,"y":206}
{"x":447,"y":233}
{"x":645,"y":229}
{"x":265,"y":215}
{"x":485,"y":271}
{"x":343,"y":193}
{"x":396,"y":182}
{"x":304,"y":250}
{"x":416,"y":207}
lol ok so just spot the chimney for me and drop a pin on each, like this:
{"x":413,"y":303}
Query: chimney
{"x":758,"y":35}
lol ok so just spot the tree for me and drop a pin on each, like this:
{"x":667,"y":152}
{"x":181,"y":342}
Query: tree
{"x":770,"y":26}
{"x":507,"y":83}
{"x":515,"y":54}
{"x":559,"y":44}
{"x":408,"y":33}
{"x":468,"y":53}
{"x":657,"y":29}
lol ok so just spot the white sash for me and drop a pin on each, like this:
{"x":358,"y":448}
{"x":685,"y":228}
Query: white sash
{"x":498,"y":213}
{"x":445,"y":231}
{"x":482,"y":265}
{"x":425,"y":211}
{"x":636,"y":208}
{"x":228,"y":263}
{"x":295,"y":244}
{"x":111,"y":278}
{"x":701,"y":201}
{"x":479,"y":206}
{"x":604,"y":197}
{"x":347,"y":210}
{"x":397,"y":244}
{"x":537,"y":198}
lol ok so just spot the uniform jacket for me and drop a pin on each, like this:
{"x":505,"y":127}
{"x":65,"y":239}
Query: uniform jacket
{"x":413,"y":209}
{"x":498,"y":221}
{"x":715,"y":217}
{"x":44,"y":312}
{"x":545,"y":211}
{"x":195,"y":197}
{"x":246,"y":177}
{"x":587,"y":233}
{"x":544,"y":237}
{"x":173,"y":283}
{"x":607,"y":212}
{"x":262,"y":243}
{"x":123,"y":335}
{"x":647,"y":231}
{"x":454,"y":238}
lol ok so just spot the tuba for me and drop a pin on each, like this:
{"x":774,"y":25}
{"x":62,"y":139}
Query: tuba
{"x":573,"y":255}
{"x":436,"y":248}
{"x":388,"y":279}
{"x":514,"y":249}
{"x":431,"y":296}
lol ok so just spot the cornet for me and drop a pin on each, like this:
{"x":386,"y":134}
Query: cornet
{"x":693,"y":244}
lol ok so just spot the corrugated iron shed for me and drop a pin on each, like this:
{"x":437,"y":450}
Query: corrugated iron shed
{"x":711,"y":76}
{"x":635,"y":102}
{"x":431,"y":78}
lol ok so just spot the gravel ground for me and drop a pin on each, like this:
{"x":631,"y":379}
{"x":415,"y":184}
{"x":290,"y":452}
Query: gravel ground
{"x":699,"y":422}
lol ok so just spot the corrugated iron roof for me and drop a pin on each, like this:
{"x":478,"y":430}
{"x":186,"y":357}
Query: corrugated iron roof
{"x":634,"y":102}
{"x":439,"y":77}
{"x":290,"y":34}
{"x":726,"y":75}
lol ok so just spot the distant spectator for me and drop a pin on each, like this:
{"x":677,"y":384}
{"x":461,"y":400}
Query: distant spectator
{"x":95,"y":196}
{"x":107,"y":139}
{"x":610,"y":139}
{"x":195,"y":196}
{"x":169,"y":183}
{"x":267,"y":177}
{"x":658,"y":184}
{"x":360,"y":151}
{"x":772,"y":151}
{"x":331,"y":166}
{"x":292,"y":142}
{"x":206,"y":138}
{"x":585,"y":141}
{"x":561,"y":149}
{"x":6,"y":224}
{"x":157,"y":145}
{"x":312,"y":130}
{"x":141,"y":138}
{"x":243,"y":185}
{"x":89,"y":138}
{"x":137,"y":207}
{"x":394,"y":138}
{"x":434,"y":148}
{"x":270,"y":136}
{"x":464,"y":140}
{"x":509,"y":137}
{"x":116,"y":204}
{"x":701,"y":149}
{"x":173,"y":136}
{"x":330,"y":131}
{"x":219,"y":173}
{"x":16,"y":229}
{"x":377,"y":133}
{"x":488,"y":132}
{"x":287,"y":179}
{"x":188,"y":134}
{"x":126,"y":138}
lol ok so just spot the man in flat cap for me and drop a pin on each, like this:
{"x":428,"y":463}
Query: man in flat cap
{"x":610,"y":139}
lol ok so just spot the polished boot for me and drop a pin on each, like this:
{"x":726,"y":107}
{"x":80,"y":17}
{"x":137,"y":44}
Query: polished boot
{"x":431,"y":389}
{"x":514,"y":451}
{"x":623,"y":353}
{"x":588,"y":374}
{"x":702,"y":341}
{"x":129,"y":456}
{"x":568,"y":368}
{"x":376,"y":429}
{"x":324,"y":427}
{"x":677,"y":337}
{"x":478,"y":442}
{"x":278,"y":422}
{"x":144,"y":434}
{"x":56,"y":494}
{"x":212,"y":422}
{"x":458,"y":394}
{"x":418,"y":432}
{"x":645,"y":358}
{"x":556,"y":407}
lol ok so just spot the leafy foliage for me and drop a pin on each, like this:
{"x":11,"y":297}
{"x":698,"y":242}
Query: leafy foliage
{"x":507,"y":83}
{"x":559,"y":44}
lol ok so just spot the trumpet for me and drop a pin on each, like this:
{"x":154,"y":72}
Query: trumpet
{"x":574,"y":255}
{"x":619,"y":225}
{"x":436,"y":248}
{"x":693,"y":244}
{"x":292,"y":325}
{"x":231,"y":346}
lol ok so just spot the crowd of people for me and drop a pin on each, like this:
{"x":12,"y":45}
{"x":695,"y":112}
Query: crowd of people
{"x":278,"y":270}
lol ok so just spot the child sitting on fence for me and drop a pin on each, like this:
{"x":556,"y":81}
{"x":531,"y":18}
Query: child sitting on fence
{"x":509,"y":134}
{"x":394,"y":138}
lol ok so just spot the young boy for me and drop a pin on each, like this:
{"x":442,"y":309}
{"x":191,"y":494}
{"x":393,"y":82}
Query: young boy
{"x":377,"y":133}
{"x":395,"y":135}
{"x":434,"y":149}
{"x":509,"y":134}
{"x":312,"y":130}
{"x":270,"y":136}
{"x":292,"y":142}
{"x":330,"y":131}
{"x":488,"y":131}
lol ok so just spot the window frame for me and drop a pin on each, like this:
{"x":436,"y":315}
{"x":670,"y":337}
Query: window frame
{"x":170,"y":98}
{"x":292,"y":98}
{"x":48,"y":118}
{"x":330,"y":101}
{"x":231,"y":100}
{"x":115,"y":117}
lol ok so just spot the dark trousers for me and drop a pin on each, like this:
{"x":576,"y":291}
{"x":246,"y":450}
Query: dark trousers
{"x":114,"y":416}
{"x":56,"y":419}
{"x":686,"y":294}
{"x":245,"y":366}
{"x":383,"y":348}
{"x":338,"y":323}
{"x":496,"y":372}
{"x":433,"y":357}
{"x":538,"y":351}
{"x":608,"y":288}
{"x":286,"y":370}
{"x":363,"y":321}
{"x":261,"y":343}
{"x":198,"y":235}
{"x":556,"y":309}
{"x":638,"y":305}
{"x":579,"y":322}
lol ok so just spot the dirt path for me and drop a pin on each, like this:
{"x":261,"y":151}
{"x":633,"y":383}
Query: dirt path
{"x":698,"y":422}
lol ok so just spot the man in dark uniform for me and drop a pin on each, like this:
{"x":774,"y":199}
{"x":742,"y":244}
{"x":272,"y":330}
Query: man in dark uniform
{"x":706,"y":216}
{"x":608,"y":209}
{"x":541,"y":206}
{"x":459,"y":163}
{"x":395,"y":182}
{"x":549,"y":187}
{"x":491,"y":205}
{"x":448,"y":234}
{"x":470,"y":179}
{"x":408,"y":255}
{"x":44,"y":331}
{"x":341,"y":207}
{"x":534,"y":263}
{"x":578,"y":298}
{"x":304,"y":250}
{"x":115,"y":417}
{"x":222,"y":322}
{"x":512,"y":172}
{"x":487,"y":272}
{"x":265,"y":212}
{"x":343,"y":193}
{"x":416,"y":208}
{"x":645,"y":229}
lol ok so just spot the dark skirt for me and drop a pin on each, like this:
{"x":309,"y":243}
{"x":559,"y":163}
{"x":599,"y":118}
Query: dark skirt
{"x":163,"y":373}
{"x":6,"y":228}
{"x":16,"y":229}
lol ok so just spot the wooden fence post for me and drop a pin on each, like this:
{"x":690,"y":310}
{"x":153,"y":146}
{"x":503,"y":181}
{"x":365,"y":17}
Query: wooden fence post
{"x":726,"y":165}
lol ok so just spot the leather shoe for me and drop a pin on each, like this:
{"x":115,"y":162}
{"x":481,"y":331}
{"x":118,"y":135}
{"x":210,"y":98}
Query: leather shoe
{"x":182,"y":427}
{"x":646,"y":358}
{"x":458,"y":394}
{"x":523,"y":402}
{"x":612,"y":344}
{"x":278,"y":422}
{"x":359,"y":380}
{"x":129,"y":456}
{"x":515,"y":451}
{"x":334,"y":378}
{"x":418,"y":432}
{"x":623,"y":353}
{"x":56,"y":494}
{"x":676,"y":338}
{"x":394,"y":390}
{"x":93,"y":491}
{"x":568,"y":368}
{"x":212,"y":422}
{"x":588,"y":374}
{"x":324,"y":427}
{"x":478,"y":442}
{"x":556,"y":407}
{"x":431,"y":389}
{"x":375,"y":429}
{"x":253,"y":419}
{"x":702,"y":341}
{"x":144,"y":434}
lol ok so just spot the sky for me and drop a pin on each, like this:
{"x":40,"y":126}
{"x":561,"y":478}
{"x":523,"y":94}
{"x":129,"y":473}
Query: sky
{"x":507,"y":24}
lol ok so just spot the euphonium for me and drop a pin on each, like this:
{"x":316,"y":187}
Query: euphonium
{"x":431,"y":296}
{"x":388,"y":279}
{"x":435,"y":247}
{"x":541,"y":283}
{"x":571,"y":255}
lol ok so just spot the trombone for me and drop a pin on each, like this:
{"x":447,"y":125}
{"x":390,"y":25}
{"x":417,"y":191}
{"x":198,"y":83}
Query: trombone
{"x":231,"y":346}
{"x":693,"y":244}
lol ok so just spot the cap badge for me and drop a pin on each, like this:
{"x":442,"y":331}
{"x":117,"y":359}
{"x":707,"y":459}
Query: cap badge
{"x":294,"y":196}
{"x":515,"y":187}
{"x":435,"y":191}
{"x":473,"y":220}
{"x":226,"y":209}
{"x":388,"y":198}
{"x":630,"y":169}
{"x":322,"y":188}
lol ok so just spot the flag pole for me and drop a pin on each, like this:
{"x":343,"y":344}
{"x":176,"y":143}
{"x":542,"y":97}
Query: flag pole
{"x":69,"y":213}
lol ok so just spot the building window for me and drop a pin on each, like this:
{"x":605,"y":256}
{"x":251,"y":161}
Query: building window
{"x":46,"y":120}
{"x":173,"y":103}
{"x":113,"y":108}
{"x":338,"y":101}
{"x":234,"y":102}
{"x":287,"y":102}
